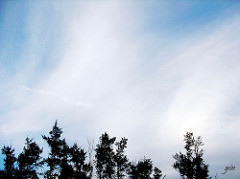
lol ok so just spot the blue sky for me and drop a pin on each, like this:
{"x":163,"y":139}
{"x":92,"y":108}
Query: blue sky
{"x":146,"y":70}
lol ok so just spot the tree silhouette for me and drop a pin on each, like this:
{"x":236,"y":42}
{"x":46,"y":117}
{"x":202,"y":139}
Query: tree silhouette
{"x":66,"y":169}
{"x":58,"y":154}
{"x":105,"y":164}
{"x":120,"y":158}
{"x":133,"y":172}
{"x":110,"y":161}
{"x":143,"y":169}
{"x":191,"y":165}
{"x":78,"y":157}
{"x":29,"y":159}
{"x":10,"y":159}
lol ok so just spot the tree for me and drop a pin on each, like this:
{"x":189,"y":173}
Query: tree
{"x":58,"y":154}
{"x":10,"y":159}
{"x":120,"y":158}
{"x":143,"y":169}
{"x":29,"y":159}
{"x":105,"y":164}
{"x":191,"y":165}
{"x":133,"y":171}
{"x":70,"y":162}
{"x":78,"y":157}
{"x":66,"y":169}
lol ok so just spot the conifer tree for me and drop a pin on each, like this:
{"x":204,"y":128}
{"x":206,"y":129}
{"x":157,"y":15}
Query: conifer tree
{"x":10,"y":159}
{"x":78,"y":157}
{"x":29,"y":159}
{"x":133,"y":172}
{"x":143,"y":169}
{"x":105,"y":164}
{"x":66,"y":169}
{"x":191,"y":165}
{"x":120,"y":158}
{"x":58,"y":152}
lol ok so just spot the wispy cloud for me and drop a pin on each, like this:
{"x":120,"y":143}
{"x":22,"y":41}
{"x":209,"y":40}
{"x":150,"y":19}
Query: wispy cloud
{"x":109,"y":74}
{"x":63,"y":98}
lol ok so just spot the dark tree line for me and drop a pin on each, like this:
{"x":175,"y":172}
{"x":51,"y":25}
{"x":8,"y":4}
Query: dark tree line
{"x":110,"y":160}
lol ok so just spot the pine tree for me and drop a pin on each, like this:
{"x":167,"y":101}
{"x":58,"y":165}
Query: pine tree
{"x":29,"y":159}
{"x":78,"y":157}
{"x":66,"y":169}
{"x":10,"y":159}
{"x":58,"y":154}
{"x":143,"y":169}
{"x":120,"y":158}
{"x":191,"y":165}
{"x":132,"y":171}
{"x":105,"y":164}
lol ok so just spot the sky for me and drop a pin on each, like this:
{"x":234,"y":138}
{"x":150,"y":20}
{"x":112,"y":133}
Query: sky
{"x":146,"y":70}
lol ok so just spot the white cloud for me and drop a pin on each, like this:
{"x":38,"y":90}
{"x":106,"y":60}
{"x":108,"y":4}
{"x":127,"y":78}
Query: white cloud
{"x":108,"y":78}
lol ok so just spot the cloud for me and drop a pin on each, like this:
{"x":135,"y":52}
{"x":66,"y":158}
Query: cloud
{"x":108,"y":74}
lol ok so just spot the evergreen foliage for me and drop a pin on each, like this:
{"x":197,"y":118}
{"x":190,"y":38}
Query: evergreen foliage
{"x":29,"y":160}
{"x":191,"y":165}
{"x":105,"y":164}
{"x":57,"y":159}
{"x":144,"y":170}
{"x":78,"y":157}
{"x":110,"y":161}
{"x":9,"y":161}
{"x":120,"y":158}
